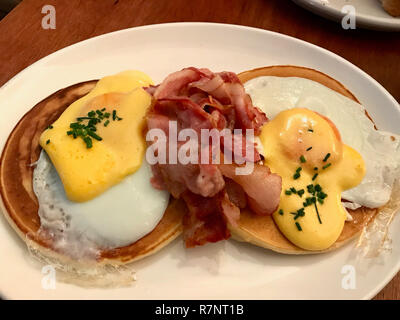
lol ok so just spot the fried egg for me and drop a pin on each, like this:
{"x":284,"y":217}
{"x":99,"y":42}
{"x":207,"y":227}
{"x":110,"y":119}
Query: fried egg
{"x":118,"y":217}
{"x":306,"y":150}
{"x":380,"y":150}
{"x":93,"y":188}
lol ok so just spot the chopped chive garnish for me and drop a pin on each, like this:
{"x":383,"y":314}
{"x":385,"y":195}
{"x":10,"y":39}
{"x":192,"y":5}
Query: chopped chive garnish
{"x":327,"y":157}
{"x":94,"y":135}
{"x":308,"y":149}
{"x":309,"y":201}
{"x":299,"y":213}
{"x":84,"y":118}
{"x":317,"y":197}
{"x":326,"y":166}
{"x":298,"y":169}
{"x":87,"y":131}
{"x":74,"y":125}
{"x":88,"y":142}
{"x":313,"y":200}
{"x":315,"y":168}
{"x":50,"y":127}
{"x":315,"y":176}
{"x":302,"y":159}
{"x":316,"y":209}
{"x":296,"y":176}
{"x":321,"y":195}
{"x":310,"y":130}
{"x":48,"y":141}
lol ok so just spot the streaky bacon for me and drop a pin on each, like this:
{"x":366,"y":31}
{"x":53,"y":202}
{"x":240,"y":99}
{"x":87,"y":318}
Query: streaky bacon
{"x":227,"y":88}
{"x":262,"y":187}
{"x":207,"y":218}
{"x":204,"y":179}
{"x":247,"y":149}
{"x":177,"y":82}
{"x":186,"y":112}
{"x":200,"y":99}
{"x":235,"y":193}
{"x":150,"y":89}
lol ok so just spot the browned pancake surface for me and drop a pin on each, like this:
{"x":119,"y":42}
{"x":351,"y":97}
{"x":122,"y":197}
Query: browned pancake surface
{"x":262,"y":231}
{"x":22,"y":150}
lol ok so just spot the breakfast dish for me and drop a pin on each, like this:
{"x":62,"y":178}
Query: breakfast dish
{"x":370,"y":14}
{"x":50,"y":141}
{"x":84,"y":165}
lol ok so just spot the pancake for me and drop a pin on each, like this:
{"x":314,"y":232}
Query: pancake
{"x":262,"y":230}
{"x":20,"y":205}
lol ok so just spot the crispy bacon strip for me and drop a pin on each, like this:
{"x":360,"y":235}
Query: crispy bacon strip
{"x":235,"y":193}
{"x":203,"y":179}
{"x":206,"y":219}
{"x":199,"y":99}
{"x":176,"y":84}
{"x":262,"y":187}
{"x":227,"y":88}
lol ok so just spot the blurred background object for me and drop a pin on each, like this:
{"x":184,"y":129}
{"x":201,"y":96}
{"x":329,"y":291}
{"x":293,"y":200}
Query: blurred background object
{"x":6,"y":6}
{"x":370,"y":14}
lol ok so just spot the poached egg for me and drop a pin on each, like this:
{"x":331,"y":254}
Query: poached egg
{"x":379,"y":149}
{"x":306,"y":150}
{"x":362,"y":165}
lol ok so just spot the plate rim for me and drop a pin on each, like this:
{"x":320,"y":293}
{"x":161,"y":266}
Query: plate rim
{"x":200,"y":24}
{"x":362,"y":73}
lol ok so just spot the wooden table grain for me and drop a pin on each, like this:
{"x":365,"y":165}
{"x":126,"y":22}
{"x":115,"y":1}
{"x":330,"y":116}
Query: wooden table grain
{"x":23,"y":40}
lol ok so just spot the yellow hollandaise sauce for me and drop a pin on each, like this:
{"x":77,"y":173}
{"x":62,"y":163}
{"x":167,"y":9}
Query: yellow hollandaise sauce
{"x":98,"y":140}
{"x":306,"y":150}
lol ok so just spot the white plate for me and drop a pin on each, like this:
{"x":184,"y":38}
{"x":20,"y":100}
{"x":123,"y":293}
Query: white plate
{"x":369,"y":13}
{"x":228,"y":270}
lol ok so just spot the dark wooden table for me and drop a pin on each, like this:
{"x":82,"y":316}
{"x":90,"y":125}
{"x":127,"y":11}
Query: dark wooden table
{"x":23,"y":41}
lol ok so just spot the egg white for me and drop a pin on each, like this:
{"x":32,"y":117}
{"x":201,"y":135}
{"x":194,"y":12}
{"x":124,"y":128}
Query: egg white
{"x":118,"y":217}
{"x":380,"y":152}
